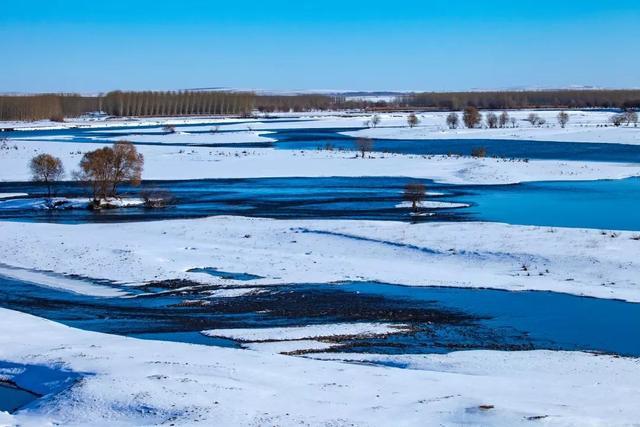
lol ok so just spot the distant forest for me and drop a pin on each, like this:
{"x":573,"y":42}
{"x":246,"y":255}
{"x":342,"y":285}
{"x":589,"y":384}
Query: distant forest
{"x":155,"y":103}
{"x":524,"y":99}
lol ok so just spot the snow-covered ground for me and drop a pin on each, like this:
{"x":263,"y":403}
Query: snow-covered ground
{"x":200,"y":138}
{"x":65,"y":203}
{"x":583,"y":126}
{"x":577,"y":261}
{"x":126,"y":381}
{"x":12,"y":195}
{"x":306,"y":332}
{"x":203,"y":162}
{"x":163,"y":163}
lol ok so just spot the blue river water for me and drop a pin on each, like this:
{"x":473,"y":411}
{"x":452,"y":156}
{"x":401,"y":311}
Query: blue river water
{"x":311,"y":138}
{"x":603,"y":204}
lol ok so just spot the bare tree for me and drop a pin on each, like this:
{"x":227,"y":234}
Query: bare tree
{"x":535,"y":119}
{"x":412,"y":120}
{"x":364,"y":145}
{"x":617,"y":119}
{"x":514,"y":122}
{"x":563,"y":118}
{"x":492,"y":120}
{"x":47,"y":169}
{"x":415,"y":192}
{"x":503,"y":120}
{"x":479,"y":152}
{"x":375,"y":120}
{"x":106,"y":168}
{"x":471,"y":117}
{"x":631,"y":117}
{"x":453,"y":120}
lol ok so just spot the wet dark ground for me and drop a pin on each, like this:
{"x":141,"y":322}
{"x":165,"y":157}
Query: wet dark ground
{"x":440,"y":319}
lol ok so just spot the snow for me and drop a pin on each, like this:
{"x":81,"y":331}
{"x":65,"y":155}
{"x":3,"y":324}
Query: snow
{"x":12,"y":195}
{"x":127,"y":381}
{"x":66,"y":203}
{"x":306,"y":332}
{"x":197,"y":138}
{"x":584,"y":126}
{"x":284,"y":347}
{"x":432,"y":204}
{"x":164,"y":163}
{"x":464,"y":254}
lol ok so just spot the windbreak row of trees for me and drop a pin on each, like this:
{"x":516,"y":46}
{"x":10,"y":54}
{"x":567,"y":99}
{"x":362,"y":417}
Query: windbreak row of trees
{"x":298,"y":103}
{"x":46,"y":106}
{"x":151,"y":103}
{"x":177,"y":103}
{"x":156,"y":103}
{"x":523,"y":99}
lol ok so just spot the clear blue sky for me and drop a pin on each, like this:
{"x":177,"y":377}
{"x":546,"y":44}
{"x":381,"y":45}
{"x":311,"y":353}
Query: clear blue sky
{"x":86,"y":45}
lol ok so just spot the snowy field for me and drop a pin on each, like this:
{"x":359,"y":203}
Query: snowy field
{"x":162,"y":163}
{"x":600,"y":264}
{"x":100,"y":379}
{"x":136,"y":382}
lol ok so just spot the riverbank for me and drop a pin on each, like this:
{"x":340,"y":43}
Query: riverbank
{"x":600,"y":264}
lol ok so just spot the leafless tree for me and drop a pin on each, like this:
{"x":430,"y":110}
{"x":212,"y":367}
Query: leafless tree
{"x":412,"y":120}
{"x":503,"y":120}
{"x":492,"y":120}
{"x":563,"y":118}
{"x":471,"y":117}
{"x":479,"y":152}
{"x":453,"y":120}
{"x":364,"y":145}
{"x":631,"y":117}
{"x":513,"y":121}
{"x":617,"y":119}
{"x":415,"y":192}
{"x":375,"y":120}
{"x":47,"y":169}
{"x":535,"y":119}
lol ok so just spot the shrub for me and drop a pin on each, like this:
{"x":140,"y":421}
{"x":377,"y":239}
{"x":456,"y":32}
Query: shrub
{"x":364,"y":145}
{"x":453,"y":120}
{"x":415,"y":193}
{"x":471,"y":117}
{"x":106,"y":168}
{"x":412,"y":120}
{"x":492,"y":120}
{"x":479,"y":152}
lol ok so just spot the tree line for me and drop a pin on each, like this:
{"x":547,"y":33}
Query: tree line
{"x":46,"y":106}
{"x":523,"y":99}
{"x":177,"y":103}
{"x":150,"y":103}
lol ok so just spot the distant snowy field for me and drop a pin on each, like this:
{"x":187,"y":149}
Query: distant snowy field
{"x":203,"y":162}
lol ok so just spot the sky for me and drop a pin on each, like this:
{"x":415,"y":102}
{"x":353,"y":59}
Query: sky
{"x":283,"y":45}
